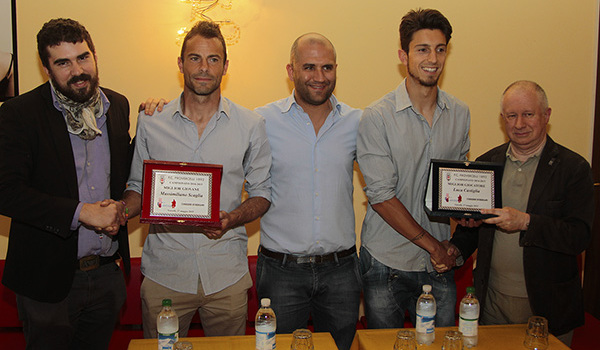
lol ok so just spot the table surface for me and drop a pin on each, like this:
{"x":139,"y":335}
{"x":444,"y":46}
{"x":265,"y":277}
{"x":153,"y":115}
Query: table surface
{"x":322,"y":341}
{"x":490,"y":338}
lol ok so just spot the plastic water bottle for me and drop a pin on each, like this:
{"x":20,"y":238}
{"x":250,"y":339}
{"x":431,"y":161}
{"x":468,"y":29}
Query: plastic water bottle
{"x":426,"y":317}
{"x":266,"y":324}
{"x":167,"y":325}
{"x":469,"y":317}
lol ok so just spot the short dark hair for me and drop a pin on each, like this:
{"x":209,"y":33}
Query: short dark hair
{"x":416,"y":20}
{"x":208,"y":30}
{"x":60,"y":30}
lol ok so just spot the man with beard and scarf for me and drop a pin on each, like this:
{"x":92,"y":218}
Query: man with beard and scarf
{"x":203,"y":268}
{"x":307,"y":261}
{"x":398,"y":136}
{"x":64,"y":148}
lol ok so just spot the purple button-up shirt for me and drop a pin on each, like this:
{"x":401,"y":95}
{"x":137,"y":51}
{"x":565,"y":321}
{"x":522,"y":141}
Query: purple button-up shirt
{"x":92,"y":162}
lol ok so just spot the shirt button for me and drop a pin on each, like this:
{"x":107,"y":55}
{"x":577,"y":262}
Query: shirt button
{"x":93,"y":188}
{"x":317,"y":194}
{"x":519,"y":169}
{"x":317,"y":218}
{"x":88,"y":163}
{"x":316,"y":170}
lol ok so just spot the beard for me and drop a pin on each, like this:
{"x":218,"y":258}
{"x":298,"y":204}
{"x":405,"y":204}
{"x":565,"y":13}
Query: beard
{"x":314,"y":99}
{"x":427,"y":83}
{"x":78,"y":95}
{"x":203,"y":90}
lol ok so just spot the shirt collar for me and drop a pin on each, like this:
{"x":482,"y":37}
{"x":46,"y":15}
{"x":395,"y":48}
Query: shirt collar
{"x":291,"y":101}
{"x":224,"y":107}
{"x":509,"y":153}
{"x":403,"y":100}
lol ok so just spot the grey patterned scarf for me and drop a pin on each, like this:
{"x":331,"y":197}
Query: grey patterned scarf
{"x":81,"y":117}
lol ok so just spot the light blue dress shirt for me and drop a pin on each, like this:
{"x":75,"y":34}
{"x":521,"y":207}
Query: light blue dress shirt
{"x":395,"y":146}
{"x":176,"y":256}
{"x":312,"y":210}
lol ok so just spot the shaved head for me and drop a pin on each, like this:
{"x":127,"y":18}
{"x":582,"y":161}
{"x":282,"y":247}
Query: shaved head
{"x":312,"y":68}
{"x":309,"y":39}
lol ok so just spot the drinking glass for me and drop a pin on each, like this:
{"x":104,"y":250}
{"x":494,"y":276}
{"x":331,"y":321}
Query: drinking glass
{"x":536,"y":335}
{"x":405,"y":340}
{"x":302,"y":340}
{"x":453,"y":340}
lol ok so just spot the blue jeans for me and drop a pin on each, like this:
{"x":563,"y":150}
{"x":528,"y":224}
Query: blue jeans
{"x":389,"y":293}
{"x":329,"y":291}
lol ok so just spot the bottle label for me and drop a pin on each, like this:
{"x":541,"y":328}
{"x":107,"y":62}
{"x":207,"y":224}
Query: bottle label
{"x":166,"y":341}
{"x":265,"y":340}
{"x":468,"y":327}
{"x":425,"y":324}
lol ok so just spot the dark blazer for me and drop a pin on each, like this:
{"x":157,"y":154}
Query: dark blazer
{"x":39,"y":192}
{"x":561,"y":208}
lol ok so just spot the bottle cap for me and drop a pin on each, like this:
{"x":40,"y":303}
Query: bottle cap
{"x":470,"y":290}
{"x":166,"y":302}
{"x":265,"y":302}
{"x":427,"y":288}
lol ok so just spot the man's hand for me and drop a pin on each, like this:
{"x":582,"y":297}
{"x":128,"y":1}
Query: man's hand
{"x":442,"y":258}
{"x":101,"y":218}
{"x":226,"y":224}
{"x":468,"y":222}
{"x":451,"y":249}
{"x":123,"y":215}
{"x":151,"y":105}
{"x":509,"y":220}
{"x":249,"y":210}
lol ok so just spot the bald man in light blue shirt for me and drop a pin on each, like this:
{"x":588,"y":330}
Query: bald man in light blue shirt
{"x":307,"y":263}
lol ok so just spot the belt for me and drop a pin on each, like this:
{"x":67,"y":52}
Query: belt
{"x":92,"y":262}
{"x":305,"y":259}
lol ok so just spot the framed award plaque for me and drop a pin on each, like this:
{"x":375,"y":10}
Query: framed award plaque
{"x":179,"y":193}
{"x":461,"y":188}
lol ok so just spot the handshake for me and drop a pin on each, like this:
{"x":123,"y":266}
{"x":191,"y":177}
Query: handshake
{"x":506,"y":219}
{"x":446,"y":256}
{"x":105,"y":216}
